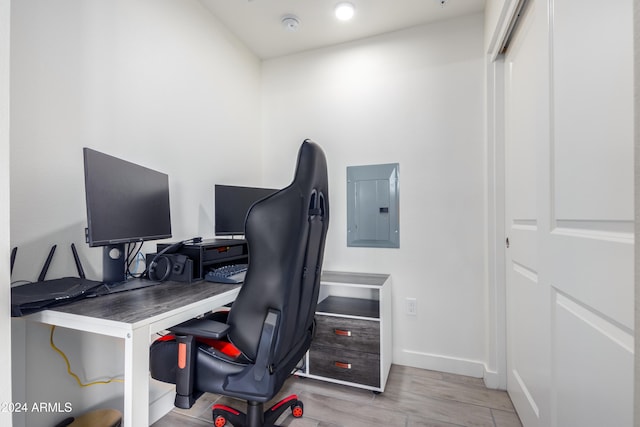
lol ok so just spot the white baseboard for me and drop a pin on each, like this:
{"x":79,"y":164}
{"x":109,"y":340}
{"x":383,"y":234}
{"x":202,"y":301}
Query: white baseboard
{"x":494,"y":380}
{"x":436,"y":362}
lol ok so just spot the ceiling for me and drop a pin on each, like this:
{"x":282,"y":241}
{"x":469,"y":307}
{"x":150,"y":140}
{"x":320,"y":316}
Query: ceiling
{"x":258,"y":23}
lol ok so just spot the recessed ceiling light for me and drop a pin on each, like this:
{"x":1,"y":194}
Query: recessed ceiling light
{"x":344,"y":11}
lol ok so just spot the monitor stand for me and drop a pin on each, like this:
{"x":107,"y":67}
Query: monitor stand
{"x":113,"y":264}
{"x":114,"y":271}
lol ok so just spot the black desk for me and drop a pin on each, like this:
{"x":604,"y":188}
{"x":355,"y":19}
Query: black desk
{"x":134,"y":316}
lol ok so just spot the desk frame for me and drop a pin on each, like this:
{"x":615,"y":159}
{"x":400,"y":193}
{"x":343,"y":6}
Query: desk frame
{"x":142,"y":312}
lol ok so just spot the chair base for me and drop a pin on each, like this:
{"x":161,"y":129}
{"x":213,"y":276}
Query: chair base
{"x":256,"y":416}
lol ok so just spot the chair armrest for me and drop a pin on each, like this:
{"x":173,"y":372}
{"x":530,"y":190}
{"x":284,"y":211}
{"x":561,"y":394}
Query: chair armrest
{"x":204,"y":328}
{"x":267,"y":342}
{"x":186,"y":334}
{"x":253,"y":383}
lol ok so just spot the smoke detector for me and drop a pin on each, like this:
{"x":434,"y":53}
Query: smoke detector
{"x":290,"y":22}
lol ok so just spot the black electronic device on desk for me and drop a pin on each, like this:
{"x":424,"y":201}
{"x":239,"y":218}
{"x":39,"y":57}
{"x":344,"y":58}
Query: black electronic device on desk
{"x":127,"y":204}
{"x":44,"y":294}
{"x":170,"y":264}
{"x":233,"y":274}
{"x":37,"y":296}
{"x":232,"y":203}
{"x":210,"y":253}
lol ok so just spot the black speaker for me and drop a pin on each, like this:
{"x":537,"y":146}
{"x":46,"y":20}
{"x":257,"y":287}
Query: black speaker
{"x":175,"y":267}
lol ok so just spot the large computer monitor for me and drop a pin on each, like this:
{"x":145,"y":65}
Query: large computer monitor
{"x":232,"y":204}
{"x":126,"y":203}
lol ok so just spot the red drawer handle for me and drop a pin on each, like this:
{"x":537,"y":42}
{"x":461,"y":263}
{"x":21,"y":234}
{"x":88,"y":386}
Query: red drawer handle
{"x":342,"y":332}
{"x":342,"y":365}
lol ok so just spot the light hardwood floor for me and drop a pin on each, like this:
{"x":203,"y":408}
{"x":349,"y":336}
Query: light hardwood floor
{"x":413,"y":398}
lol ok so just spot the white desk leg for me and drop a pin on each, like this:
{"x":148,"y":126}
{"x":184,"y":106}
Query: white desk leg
{"x":136,"y":378}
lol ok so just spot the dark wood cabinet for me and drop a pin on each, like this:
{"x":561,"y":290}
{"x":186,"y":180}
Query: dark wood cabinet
{"x":352,"y":344}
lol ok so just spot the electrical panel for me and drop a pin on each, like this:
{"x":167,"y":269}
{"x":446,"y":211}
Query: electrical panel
{"x":373,"y":201}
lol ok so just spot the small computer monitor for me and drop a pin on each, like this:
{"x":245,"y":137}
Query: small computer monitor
{"x":126,"y":203}
{"x":232,"y":204}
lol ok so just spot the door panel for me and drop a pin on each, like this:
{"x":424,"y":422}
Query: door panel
{"x":593,"y":110}
{"x":593,"y":359}
{"x":569,"y":213}
{"x":595,"y":269}
{"x":589,"y":252}
{"x":527,"y":355}
{"x":526,"y":130}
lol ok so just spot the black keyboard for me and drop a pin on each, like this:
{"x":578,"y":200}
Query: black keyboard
{"x":233,"y":274}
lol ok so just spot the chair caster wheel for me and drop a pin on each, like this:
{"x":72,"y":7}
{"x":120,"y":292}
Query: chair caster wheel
{"x":296,"y":410}
{"x":220,"y":421}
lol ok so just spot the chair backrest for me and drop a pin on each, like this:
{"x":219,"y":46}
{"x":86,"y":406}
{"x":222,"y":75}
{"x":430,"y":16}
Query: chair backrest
{"x":285,"y":234}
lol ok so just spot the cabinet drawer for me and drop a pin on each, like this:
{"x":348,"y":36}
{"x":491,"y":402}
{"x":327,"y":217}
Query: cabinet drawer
{"x":346,"y":365}
{"x":351,"y":334}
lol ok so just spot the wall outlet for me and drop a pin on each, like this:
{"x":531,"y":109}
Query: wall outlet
{"x":412,"y":306}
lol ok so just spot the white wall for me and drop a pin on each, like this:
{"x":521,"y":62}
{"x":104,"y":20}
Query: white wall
{"x":158,"y":82}
{"x":414,"y":97}
{"x":5,"y":325}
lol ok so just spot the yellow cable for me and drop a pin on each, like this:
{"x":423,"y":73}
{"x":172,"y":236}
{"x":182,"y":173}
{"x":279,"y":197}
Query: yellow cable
{"x":66,"y":360}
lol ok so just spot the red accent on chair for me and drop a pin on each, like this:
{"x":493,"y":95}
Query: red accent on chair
{"x":224,"y":347}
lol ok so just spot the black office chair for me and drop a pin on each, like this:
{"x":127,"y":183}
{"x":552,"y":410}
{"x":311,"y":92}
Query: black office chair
{"x":270,"y":325}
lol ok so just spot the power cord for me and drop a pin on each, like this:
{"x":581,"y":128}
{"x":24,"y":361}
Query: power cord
{"x":132,"y":255}
{"x":70,"y":372}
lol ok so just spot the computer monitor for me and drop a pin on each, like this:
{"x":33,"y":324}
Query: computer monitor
{"x":126,"y":203}
{"x":232,"y":204}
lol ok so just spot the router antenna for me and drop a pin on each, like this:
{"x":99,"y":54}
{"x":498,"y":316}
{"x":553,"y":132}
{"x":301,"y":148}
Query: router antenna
{"x":45,"y":267}
{"x":14,"y":252}
{"x":76,"y":258}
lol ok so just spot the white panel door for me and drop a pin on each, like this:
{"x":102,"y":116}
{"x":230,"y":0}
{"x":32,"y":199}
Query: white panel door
{"x":569,"y":213}
{"x":589,"y":252}
{"x":526,"y":133}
